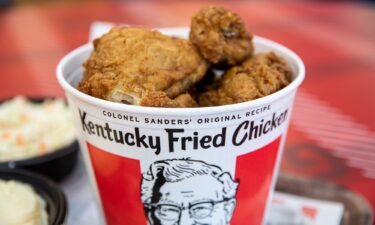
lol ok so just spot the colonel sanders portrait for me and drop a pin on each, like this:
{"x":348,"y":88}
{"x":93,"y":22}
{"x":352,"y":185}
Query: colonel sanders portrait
{"x":187,"y":192}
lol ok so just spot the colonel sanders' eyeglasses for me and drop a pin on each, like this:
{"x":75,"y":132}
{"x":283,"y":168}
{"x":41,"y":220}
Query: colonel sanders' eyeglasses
{"x":172,"y":213}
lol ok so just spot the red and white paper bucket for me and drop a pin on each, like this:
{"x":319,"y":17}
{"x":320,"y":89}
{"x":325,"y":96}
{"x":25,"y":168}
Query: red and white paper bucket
{"x":182,"y":166}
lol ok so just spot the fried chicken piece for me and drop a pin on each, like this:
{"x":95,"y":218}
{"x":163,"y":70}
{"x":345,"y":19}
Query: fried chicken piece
{"x":160,"y":99}
{"x":260,"y":75}
{"x":128,"y":63}
{"x":221,"y":36}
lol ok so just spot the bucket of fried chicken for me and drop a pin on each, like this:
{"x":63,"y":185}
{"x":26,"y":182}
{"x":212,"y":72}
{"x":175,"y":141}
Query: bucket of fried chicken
{"x":182,"y":126}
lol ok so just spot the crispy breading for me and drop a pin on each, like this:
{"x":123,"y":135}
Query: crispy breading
{"x":128,"y":63}
{"x":221,"y":36}
{"x":258,"y":76}
{"x":160,"y":99}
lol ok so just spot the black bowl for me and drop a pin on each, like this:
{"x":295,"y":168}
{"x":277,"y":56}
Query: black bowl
{"x":56,"y":165}
{"x":57,"y":208}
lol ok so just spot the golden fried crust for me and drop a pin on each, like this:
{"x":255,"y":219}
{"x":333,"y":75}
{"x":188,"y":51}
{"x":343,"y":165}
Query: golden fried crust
{"x":221,"y":36}
{"x":260,"y":75}
{"x":160,"y":99}
{"x":128,"y":62}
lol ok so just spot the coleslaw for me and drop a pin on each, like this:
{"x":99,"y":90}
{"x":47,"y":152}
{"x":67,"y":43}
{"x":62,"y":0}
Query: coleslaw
{"x":30,"y":129}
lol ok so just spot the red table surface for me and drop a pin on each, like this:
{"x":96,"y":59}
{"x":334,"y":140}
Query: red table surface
{"x":332,"y":130}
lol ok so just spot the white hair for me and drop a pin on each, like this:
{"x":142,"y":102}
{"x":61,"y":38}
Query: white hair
{"x":175,"y":170}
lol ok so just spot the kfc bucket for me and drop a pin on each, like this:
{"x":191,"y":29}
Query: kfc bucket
{"x":182,"y":166}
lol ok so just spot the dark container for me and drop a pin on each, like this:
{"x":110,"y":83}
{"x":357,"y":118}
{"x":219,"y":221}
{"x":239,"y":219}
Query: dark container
{"x":55,"y":165}
{"x":56,"y":204}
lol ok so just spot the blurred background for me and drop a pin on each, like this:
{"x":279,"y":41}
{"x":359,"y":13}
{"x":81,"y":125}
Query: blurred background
{"x":7,"y":3}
